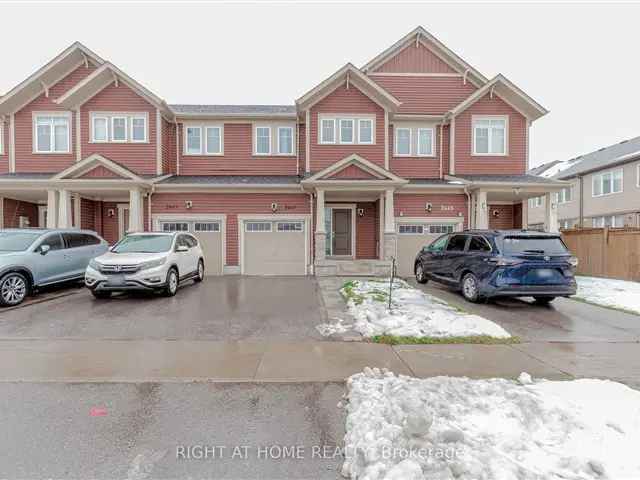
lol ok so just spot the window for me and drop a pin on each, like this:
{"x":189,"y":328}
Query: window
{"x":258,"y":226}
{"x":263,"y":140}
{"x":289,"y":226}
{"x":403,"y":141}
{"x":118,"y":129}
{"x":285,"y":140}
{"x":214,"y":145}
{"x":609,"y":221}
{"x":328,"y":130}
{"x":138,"y":129}
{"x":175,"y":227}
{"x":52,"y":133}
{"x":607,"y":183}
{"x":365,"y":131}
{"x":566,"y":224}
{"x":411,"y":229}
{"x":564,"y":195}
{"x":535,"y":202}
{"x":76,"y":240}
{"x":194,"y":144}
{"x":206,"y":227}
{"x":457,"y":243}
{"x":1,"y":139}
{"x":54,"y":241}
{"x":346,"y":130}
{"x":441,"y":228}
{"x":489,"y":136}
{"x":100,"y":129}
{"x":425,"y":142}
{"x":479,"y":244}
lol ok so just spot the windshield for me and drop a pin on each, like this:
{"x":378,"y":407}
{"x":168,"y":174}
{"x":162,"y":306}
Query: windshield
{"x":534,"y":245}
{"x":143,"y":244}
{"x":16,"y":241}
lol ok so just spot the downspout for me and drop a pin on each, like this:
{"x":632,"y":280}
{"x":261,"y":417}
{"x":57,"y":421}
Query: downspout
{"x":297,"y":147}
{"x":177,"y":149}
{"x":312,"y":255}
{"x":581,"y":201}
{"x":153,"y":187}
{"x":468,"y":208}
{"x":441,"y":144}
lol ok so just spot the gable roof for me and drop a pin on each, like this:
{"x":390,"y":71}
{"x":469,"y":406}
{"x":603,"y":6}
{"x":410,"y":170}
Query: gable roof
{"x":46,"y":76}
{"x":92,"y":161}
{"x":102,"y":77}
{"x":419,"y":34}
{"x":508,"y":92}
{"x":351,"y":74}
{"x":377,"y":172}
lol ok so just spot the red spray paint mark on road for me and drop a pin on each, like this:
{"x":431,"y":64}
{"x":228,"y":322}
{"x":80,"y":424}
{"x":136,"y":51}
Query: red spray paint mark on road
{"x":98,"y":412}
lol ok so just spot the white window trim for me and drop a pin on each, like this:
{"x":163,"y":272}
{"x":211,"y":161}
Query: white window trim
{"x":372,"y":131}
{"x":322,"y":139}
{"x":395,"y":142}
{"x":34,"y":132}
{"x":353,"y":131}
{"x":112,"y":128}
{"x":601,"y":177}
{"x":563,"y":201}
{"x":93,"y":129}
{"x":186,"y":141}
{"x":146,"y":128}
{"x":293,"y":142}
{"x":433,"y":141}
{"x":255,"y":141}
{"x":477,"y":118}
{"x":1,"y":138}
{"x":204,"y":140}
{"x":637,"y":174}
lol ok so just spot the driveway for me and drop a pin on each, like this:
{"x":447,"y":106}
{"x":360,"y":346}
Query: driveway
{"x":226,"y":308}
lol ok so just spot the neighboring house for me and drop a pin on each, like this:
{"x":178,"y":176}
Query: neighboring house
{"x":604,"y":190}
{"x":371,"y":163}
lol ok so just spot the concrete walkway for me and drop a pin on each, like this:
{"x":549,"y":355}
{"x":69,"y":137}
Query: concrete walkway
{"x":185,"y":361}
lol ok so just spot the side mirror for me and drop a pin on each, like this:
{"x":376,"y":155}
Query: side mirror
{"x":44,"y":248}
{"x":182,"y":248}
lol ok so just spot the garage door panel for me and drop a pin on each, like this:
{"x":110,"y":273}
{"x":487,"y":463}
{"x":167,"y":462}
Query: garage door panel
{"x":209,"y":235}
{"x":211,"y":244}
{"x":408,"y":248}
{"x":274,"y":252}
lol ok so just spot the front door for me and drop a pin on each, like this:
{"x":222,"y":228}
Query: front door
{"x":341,"y":232}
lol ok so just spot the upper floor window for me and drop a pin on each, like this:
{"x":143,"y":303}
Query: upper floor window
{"x":403,"y":141}
{"x":346,"y":130}
{"x":365,"y":130}
{"x":490,"y":136}
{"x":564,"y":195}
{"x":607,"y":183}
{"x":357,"y":129}
{"x":425,"y":142}
{"x":52,"y":133}
{"x":119,"y":128}
{"x":203,"y":140}
{"x":263,"y":140}
{"x":285,"y":140}
{"x":328,"y":130}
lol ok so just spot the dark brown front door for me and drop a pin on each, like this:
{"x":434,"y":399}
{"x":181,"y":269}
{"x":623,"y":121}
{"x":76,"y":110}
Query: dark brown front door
{"x":341,"y":232}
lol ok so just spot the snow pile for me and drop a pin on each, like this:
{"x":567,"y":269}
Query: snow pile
{"x":558,"y":167}
{"x":609,"y":292}
{"x":339,"y":326}
{"x":413,"y":312}
{"x":449,"y":428}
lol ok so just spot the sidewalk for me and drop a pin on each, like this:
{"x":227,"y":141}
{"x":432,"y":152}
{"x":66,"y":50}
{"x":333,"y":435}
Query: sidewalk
{"x":186,"y":361}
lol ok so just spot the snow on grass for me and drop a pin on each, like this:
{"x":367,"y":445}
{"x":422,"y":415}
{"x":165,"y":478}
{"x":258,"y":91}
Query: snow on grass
{"x":450,"y":428}
{"x":413,"y":313}
{"x":608,"y":292}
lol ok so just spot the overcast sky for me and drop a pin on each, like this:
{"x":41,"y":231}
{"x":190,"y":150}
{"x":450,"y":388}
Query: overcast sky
{"x":579,"y":61}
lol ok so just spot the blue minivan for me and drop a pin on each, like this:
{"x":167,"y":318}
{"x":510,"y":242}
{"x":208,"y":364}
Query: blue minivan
{"x":498,"y":263}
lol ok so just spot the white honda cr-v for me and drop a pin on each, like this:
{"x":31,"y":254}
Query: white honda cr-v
{"x":146,"y":261}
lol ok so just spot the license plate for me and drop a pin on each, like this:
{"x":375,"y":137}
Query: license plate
{"x":116,"y":281}
{"x":544,"y":273}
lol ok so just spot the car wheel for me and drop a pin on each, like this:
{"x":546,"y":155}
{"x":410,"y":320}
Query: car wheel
{"x":470,"y":289}
{"x":100,"y":295}
{"x":420,"y":275}
{"x":200,"y":275}
{"x":172,"y":283}
{"x":13,"y":289}
{"x":544,"y":300}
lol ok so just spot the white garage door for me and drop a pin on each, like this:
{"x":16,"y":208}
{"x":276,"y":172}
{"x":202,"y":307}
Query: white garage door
{"x":275,"y":247}
{"x":209,"y":235}
{"x":412,"y":237}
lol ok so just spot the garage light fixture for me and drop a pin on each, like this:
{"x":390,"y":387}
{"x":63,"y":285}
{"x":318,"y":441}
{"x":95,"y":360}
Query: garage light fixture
{"x":188,"y":204}
{"x":274,"y":207}
{"x":428,"y":207}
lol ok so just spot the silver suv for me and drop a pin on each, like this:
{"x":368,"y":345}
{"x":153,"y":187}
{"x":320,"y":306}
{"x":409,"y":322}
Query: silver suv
{"x":33,"y":257}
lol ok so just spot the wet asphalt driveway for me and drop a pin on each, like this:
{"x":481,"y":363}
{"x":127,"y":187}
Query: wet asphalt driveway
{"x":220,"y":308}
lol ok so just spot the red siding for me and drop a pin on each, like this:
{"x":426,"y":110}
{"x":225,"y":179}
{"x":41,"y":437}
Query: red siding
{"x":109,"y":224}
{"x":413,"y":205}
{"x":343,"y":100}
{"x":416,"y":167}
{"x":238,"y":158}
{"x":504,"y":220}
{"x":4,"y":152}
{"x":415,"y":59}
{"x":367,"y":231}
{"x":168,"y":147}
{"x":426,"y":95}
{"x":87,"y":214}
{"x":302,"y":148}
{"x":138,"y":157}
{"x":352,"y":172}
{"x":100,"y":172}
{"x":231,"y":204}
{"x":514,"y":163}
{"x":26,"y":160}
{"x":14,"y":209}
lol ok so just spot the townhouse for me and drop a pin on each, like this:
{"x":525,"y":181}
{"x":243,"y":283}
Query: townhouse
{"x":369,"y":164}
{"x":604,"y":189}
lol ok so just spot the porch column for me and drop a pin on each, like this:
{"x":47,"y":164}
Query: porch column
{"x":77,"y":220}
{"x":551,"y":213}
{"x":482,"y":209}
{"x":525,"y":214}
{"x":390,"y":239}
{"x":136,"y":216}
{"x":381,"y":227}
{"x":52,"y":208}
{"x":320,"y":234}
{"x":64,"y":209}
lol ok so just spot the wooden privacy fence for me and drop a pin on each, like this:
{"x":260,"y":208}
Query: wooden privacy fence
{"x":606,"y":252}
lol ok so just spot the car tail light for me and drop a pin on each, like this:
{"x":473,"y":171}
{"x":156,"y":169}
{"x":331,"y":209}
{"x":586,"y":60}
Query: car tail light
{"x":505,"y":262}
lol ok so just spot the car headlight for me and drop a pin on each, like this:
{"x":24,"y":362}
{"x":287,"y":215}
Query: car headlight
{"x":152,"y":263}
{"x":573,"y":261}
{"x":95,"y":265}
